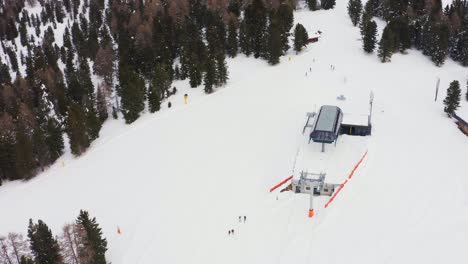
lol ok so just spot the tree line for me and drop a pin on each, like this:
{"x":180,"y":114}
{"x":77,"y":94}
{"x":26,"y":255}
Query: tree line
{"x":425,"y":25}
{"x":115,"y":60}
{"x":81,"y":242}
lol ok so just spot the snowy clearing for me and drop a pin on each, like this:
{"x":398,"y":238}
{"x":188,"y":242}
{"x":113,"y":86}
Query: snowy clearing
{"x":176,"y":181}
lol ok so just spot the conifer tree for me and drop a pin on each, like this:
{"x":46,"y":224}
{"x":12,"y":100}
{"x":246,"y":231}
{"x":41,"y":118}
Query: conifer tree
{"x":255,"y":17}
{"x":354,"y":11}
{"x":54,"y":139}
{"x":76,"y":129}
{"x":160,"y":84}
{"x":232,"y":39}
{"x":132,"y":93}
{"x":221,"y":70}
{"x":93,"y":124}
{"x":440,"y":45}
{"x":300,"y":37}
{"x":312,"y":4}
{"x":244,"y":41}
{"x":94,"y":240}
{"x":40,"y":149}
{"x":386,"y":44}
{"x":5,"y":77}
{"x":328,"y":4}
{"x":195,"y":71}
{"x":43,"y":245}
{"x":274,"y":43}
{"x":466,"y":95}
{"x":452,"y":100}
{"x":24,"y":160}
{"x":370,"y":36}
{"x":23,"y":30}
{"x":285,"y":19}
{"x":210,"y":75}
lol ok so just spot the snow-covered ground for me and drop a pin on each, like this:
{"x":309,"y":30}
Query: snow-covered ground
{"x":175,"y":182}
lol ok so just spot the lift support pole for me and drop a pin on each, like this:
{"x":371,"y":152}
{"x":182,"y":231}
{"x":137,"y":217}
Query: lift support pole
{"x":311,"y":206}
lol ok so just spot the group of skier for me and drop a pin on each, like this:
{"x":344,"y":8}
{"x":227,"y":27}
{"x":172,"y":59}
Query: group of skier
{"x":231,"y":231}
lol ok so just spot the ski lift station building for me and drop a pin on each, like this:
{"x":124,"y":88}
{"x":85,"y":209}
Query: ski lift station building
{"x":327,"y":124}
{"x":331,"y":122}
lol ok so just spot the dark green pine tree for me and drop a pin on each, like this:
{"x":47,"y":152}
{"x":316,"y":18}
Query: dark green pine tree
{"x":285,"y":17}
{"x":452,"y":101}
{"x":24,"y":159}
{"x":210,"y":75}
{"x":328,"y":4}
{"x":40,"y":149}
{"x":232,"y":43}
{"x":84,"y":79}
{"x":255,"y":16}
{"x":463,"y":47}
{"x":43,"y":245}
{"x":160,"y":84}
{"x":354,"y":11}
{"x":369,"y":39}
{"x":244,"y":41}
{"x":93,"y":123}
{"x":440,"y":48}
{"x":221,"y":70}
{"x":5,"y":77}
{"x":94,"y":240}
{"x":7,"y":148}
{"x":23,"y":30}
{"x":54,"y":139}
{"x":132,"y":93}
{"x":300,"y":37}
{"x":466,"y":95}
{"x":76,"y":129}
{"x":386,"y":44}
{"x":274,"y":43}
{"x":195,"y":71}
{"x":312,"y":4}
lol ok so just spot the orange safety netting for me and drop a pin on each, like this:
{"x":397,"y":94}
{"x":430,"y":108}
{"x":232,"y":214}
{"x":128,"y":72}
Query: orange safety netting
{"x":346,"y":181}
{"x":281,"y":183}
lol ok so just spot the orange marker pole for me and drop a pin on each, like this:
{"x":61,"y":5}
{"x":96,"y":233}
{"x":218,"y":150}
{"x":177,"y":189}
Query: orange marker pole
{"x":311,"y":206}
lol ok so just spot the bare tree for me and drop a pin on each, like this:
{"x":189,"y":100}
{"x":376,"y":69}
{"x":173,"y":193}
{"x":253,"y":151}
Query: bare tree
{"x":12,"y":248}
{"x":19,"y":246}
{"x":4,"y":252}
{"x":68,"y":244}
{"x":72,"y":243}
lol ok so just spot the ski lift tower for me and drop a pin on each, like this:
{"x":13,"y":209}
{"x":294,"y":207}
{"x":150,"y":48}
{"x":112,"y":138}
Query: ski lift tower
{"x":313,"y":184}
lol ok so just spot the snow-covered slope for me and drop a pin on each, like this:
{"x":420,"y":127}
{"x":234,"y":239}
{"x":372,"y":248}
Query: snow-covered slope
{"x":176,"y":181}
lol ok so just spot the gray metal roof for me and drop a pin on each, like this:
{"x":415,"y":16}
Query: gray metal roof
{"x":327,"y":118}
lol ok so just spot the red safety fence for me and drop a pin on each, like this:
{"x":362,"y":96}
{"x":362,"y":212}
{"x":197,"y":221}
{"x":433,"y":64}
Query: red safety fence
{"x":281,"y":183}
{"x":345,"y":181}
{"x":357,"y":165}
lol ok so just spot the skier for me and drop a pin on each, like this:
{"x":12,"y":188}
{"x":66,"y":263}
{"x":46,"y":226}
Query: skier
{"x":186,"y":98}
{"x":229,"y":232}
{"x":245,"y":218}
{"x":240,"y":219}
{"x":232,"y":231}
{"x":169,"y":105}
